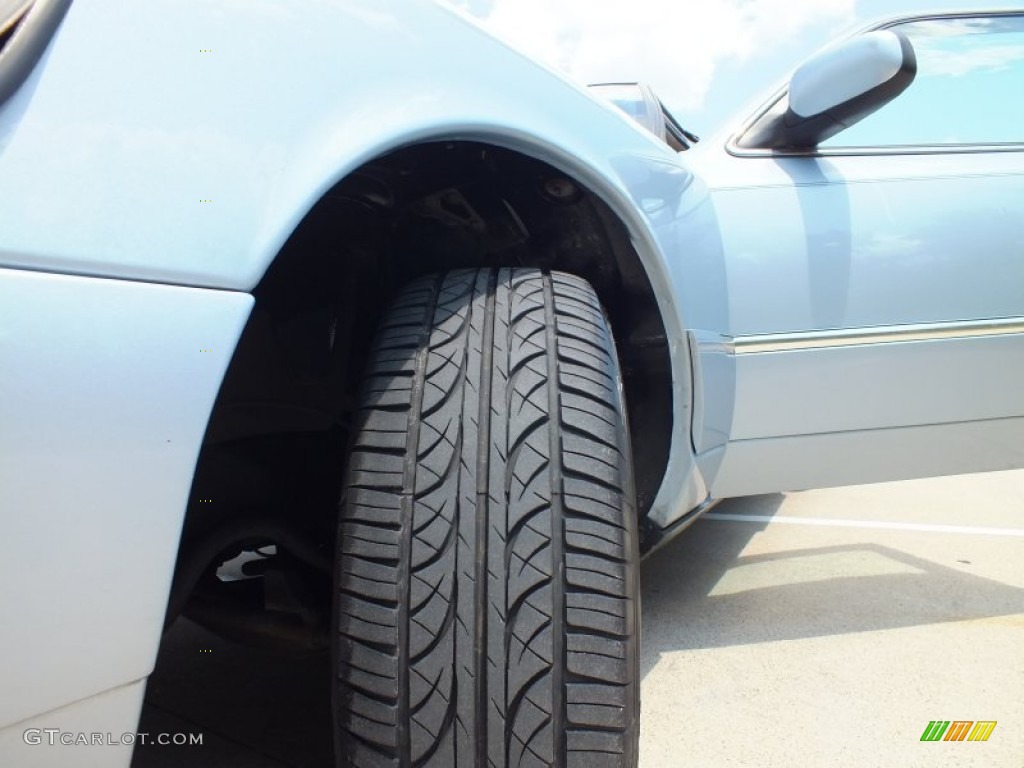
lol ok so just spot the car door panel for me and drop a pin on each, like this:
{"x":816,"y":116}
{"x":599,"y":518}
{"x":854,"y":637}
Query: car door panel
{"x":853,"y":242}
{"x":878,"y":386}
{"x":746,"y":467}
{"x":868,"y":297}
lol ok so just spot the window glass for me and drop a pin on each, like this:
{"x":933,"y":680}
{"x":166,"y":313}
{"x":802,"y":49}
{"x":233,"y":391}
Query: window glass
{"x":969,"y":87}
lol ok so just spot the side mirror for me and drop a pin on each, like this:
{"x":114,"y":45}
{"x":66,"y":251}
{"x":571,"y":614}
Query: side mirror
{"x":834,"y":89}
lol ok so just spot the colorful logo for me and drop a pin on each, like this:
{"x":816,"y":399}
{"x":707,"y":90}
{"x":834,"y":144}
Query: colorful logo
{"x":958,"y":730}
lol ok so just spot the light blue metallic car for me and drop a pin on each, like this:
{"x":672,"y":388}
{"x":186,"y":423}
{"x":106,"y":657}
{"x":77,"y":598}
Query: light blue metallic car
{"x":257,"y":257}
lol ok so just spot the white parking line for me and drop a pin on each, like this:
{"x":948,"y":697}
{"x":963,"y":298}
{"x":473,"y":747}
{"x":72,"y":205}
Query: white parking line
{"x":840,"y":523}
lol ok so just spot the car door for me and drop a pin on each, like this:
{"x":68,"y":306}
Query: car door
{"x":875,"y":283}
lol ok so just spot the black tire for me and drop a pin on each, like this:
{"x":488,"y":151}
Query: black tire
{"x":487,"y":611}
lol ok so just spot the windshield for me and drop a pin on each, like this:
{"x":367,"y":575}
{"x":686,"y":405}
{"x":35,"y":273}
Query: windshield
{"x":639,"y":102}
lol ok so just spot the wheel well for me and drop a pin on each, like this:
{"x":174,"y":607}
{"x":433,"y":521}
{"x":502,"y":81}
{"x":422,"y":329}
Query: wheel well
{"x":293,"y":382}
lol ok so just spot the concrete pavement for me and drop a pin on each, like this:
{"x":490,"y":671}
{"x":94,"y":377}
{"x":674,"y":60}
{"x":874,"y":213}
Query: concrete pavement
{"x":822,"y":628}
{"x":816,"y":643}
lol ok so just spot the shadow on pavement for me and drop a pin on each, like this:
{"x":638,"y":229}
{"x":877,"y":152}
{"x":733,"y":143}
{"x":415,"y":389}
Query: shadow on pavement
{"x":701,"y":592}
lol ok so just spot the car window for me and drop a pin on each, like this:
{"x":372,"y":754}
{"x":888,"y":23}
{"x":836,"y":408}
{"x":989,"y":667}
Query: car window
{"x":969,"y":87}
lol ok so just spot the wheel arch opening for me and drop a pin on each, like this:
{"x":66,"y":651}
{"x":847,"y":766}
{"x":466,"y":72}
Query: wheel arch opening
{"x":277,"y":439}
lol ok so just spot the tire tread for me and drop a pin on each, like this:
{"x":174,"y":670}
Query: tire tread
{"x":486,"y":603}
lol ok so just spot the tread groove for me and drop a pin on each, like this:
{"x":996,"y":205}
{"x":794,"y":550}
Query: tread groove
{"x":482,"y":516}
{"x":404,"y":736}
{"x":558,"y":707}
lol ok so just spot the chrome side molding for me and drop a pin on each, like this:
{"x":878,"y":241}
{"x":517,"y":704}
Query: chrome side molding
{"x":854,"y":337}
